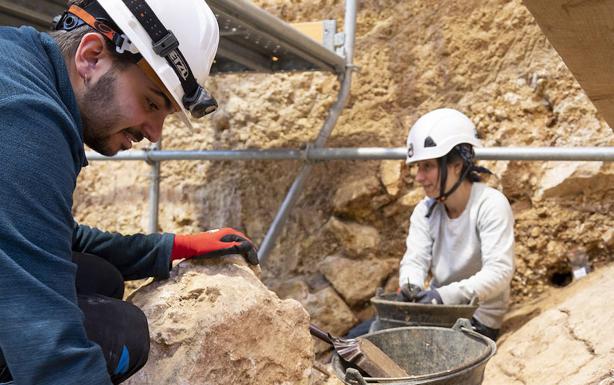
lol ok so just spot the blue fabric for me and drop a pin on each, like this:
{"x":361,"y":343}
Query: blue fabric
{"x":42,"y":336}
{"x":135,"y":256}
{"x":124,"y":361}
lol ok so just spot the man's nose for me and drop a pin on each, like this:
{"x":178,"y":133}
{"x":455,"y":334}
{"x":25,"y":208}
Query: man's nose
{"x":152,"y":130}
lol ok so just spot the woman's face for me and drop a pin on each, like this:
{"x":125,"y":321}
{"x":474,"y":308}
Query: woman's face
{"x":428,"y":176}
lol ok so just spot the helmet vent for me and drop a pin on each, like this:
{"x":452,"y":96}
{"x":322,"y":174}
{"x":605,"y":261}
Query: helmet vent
{"x":429,"y":142}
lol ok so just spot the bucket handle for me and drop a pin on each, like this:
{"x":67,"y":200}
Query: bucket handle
{"x":353,"y":377}
{"x":462,"y":323}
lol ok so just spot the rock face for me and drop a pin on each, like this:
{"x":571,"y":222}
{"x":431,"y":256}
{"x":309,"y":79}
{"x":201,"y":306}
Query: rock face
{"x":215,"y":323}
{"x":356,"y":281}
{"x":356,"y":239}
{"x":487,"y":58}
{"x":567,"y":344}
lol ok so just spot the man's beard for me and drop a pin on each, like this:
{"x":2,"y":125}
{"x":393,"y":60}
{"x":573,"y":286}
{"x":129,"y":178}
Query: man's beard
{"x":100,"y":114}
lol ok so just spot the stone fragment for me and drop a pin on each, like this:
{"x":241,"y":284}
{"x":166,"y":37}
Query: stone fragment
{"x":353,"y":199}
{"x":355,"y":238}
{"x":356,"y":281}
{"x":214,"y":322}
{"x":390,"y":175}
{"x":565,"y":344}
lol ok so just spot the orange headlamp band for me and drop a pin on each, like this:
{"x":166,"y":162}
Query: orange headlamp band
{"x":92,"y":22}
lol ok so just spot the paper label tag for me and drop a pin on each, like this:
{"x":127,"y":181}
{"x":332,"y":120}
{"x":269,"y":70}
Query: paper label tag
{"x":579,"y":273}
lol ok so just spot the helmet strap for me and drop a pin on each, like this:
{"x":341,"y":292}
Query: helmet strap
{"x":164,"y":42}
{"x":443,"y":176}
{"x":94,"y":15}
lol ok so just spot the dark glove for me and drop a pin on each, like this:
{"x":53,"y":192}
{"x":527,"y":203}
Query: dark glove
{"x":408,"y":292}
{"x":430,"y":297}
{"x":214,"y":243}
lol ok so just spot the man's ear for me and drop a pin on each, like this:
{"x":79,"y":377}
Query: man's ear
{"x":92,"y":59}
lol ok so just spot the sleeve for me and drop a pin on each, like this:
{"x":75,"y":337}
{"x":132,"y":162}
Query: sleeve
{"x":135,"y":256}
{"x":495,"y":228}
{"x":42,"y":335}
{"x":416,"y":262}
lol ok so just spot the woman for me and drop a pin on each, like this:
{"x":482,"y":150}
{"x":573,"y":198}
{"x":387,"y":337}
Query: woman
{"x":462,"y":232}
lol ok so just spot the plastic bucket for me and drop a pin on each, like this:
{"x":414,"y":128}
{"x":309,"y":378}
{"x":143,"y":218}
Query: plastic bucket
{"x":393,"y":314}
{"x":430,"y":355}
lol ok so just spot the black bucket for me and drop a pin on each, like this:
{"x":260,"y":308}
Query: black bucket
{"x":393,"y":314}
{"x":429,"y":354}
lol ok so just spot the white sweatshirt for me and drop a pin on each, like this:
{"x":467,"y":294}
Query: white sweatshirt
{"x":472,"y":255}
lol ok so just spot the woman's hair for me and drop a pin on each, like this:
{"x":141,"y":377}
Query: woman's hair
{"x":464,"y":153}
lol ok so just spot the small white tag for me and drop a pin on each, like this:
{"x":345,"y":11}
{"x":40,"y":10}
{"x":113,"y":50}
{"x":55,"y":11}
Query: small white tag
{"x":579,"y":273}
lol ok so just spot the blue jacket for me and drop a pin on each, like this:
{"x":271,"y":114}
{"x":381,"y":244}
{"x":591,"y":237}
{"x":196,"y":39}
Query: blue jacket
{"x":42,"y":336}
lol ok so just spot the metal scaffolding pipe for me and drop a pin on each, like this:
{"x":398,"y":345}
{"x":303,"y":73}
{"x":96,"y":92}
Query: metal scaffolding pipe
{"x":546,"y":153}
{"x":364,"y":153}
{"x":34,"y":17}
{"x":154,"y":191}
{"x":344,"y":92}
{"x":296,"y":41}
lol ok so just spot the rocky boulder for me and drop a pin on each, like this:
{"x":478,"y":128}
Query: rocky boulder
{"x":356,"y":281}
{"x":390,"y":175}
{"x":564,"y":340}
{"x":326,"y":308}
{"x":356,"y":239}
{"x":354,"y":198}
{"x":573,"y":178}
{"x":214,"y":322}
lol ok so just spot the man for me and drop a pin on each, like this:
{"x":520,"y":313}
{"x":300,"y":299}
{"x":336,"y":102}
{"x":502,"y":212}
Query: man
{"x":108,"y":77}
{"x":462,"y":233}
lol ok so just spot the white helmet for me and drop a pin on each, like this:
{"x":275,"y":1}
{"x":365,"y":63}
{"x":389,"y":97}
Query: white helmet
{"x":178,"y":40}
{"x":436,"y":133}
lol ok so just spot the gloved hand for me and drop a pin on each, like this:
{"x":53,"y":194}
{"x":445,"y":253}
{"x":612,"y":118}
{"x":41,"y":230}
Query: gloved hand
{"x":430,"y":297}
{"x":214,"y":243}
{"x":408,"y":292}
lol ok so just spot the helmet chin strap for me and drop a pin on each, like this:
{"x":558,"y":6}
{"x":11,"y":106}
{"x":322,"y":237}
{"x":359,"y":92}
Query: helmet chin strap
{"x":443,"y":195}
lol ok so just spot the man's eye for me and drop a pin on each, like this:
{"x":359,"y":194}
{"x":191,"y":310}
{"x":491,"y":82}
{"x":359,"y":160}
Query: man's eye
{"x":152,"y":106}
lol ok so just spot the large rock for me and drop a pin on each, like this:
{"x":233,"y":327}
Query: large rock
{"x":329,"y":312}
{"x":356,"y":281}
{"x":356,"y":239}
{"x":566,"y":343}
{"x":353,"y":199}
{"x":573,"y":178}
{"x":390,"y":175}
{"x":325,"y":306}
{"x":214,"y":322}
{"x":406,"y":203}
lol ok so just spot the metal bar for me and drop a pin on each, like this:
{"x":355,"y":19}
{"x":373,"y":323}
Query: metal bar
{"x":229,"y":50}
{"x":277,"y":29}
{"x":365,"y":153}
{"x":253,"y":31}
{"x":546,"y":153}
{"x":154,"y":191}
{"x":280,"y":154}
{"x":37,"y":18}
{"x":297,"y":186}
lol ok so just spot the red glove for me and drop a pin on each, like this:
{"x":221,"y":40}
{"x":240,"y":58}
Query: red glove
{"x":214,"y":243}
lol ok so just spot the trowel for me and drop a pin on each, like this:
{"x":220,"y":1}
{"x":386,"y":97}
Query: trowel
{"x":361,"y":353}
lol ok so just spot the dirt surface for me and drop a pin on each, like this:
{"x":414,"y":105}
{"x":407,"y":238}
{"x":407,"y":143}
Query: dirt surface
{"x":486,"y":58}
